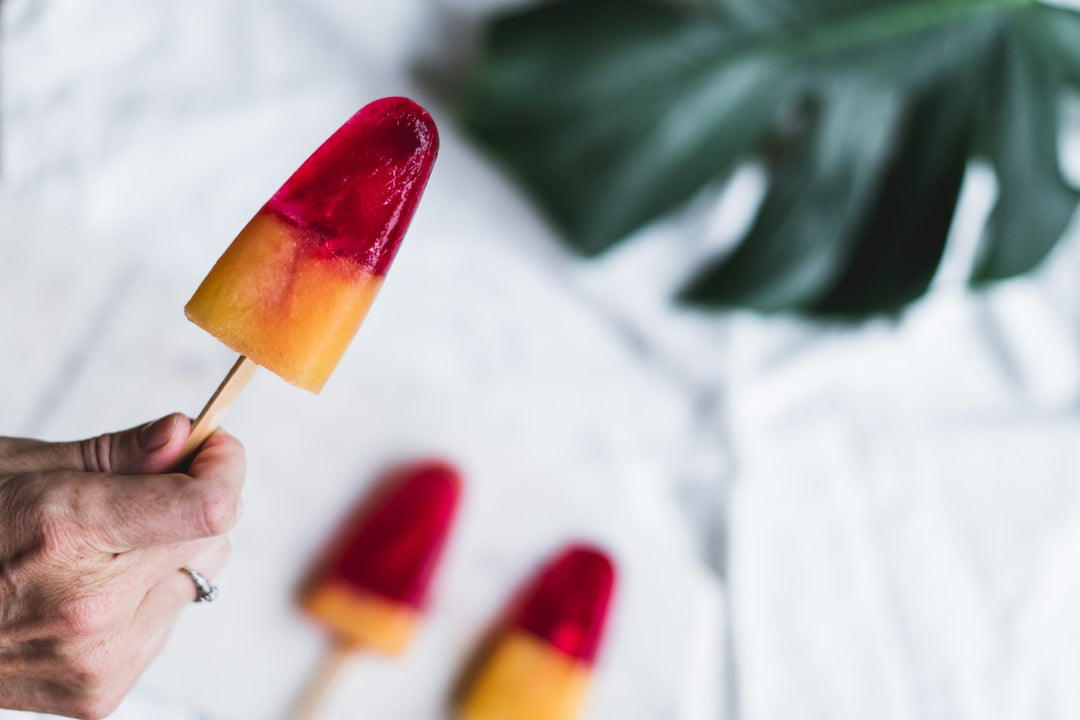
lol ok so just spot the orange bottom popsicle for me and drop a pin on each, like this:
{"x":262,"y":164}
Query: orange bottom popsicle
{"x":374,"y":587}
{"x":540,"y":665}
{"x":276,"y":297}
{"x":524,"y":678}
{"x":362,"y":619}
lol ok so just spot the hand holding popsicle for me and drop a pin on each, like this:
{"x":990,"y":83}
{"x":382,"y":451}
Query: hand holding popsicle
{"x":291,"y":290}
{"x":92,"y":533}
{"x":91,"y":536}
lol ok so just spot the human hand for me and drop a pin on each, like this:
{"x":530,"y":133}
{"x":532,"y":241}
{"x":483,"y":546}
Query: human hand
{"x":92,"y":535}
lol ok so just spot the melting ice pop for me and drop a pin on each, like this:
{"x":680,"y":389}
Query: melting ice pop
{"x":540,"y":664}
{"x":372,"y":589}
{"x":293,"y":287}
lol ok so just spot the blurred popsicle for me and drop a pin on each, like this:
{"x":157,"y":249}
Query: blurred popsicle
{"x":291,"y":290}
{"x":539,"y":666}
{"x":371,"y":591}
{"x":374,"y":585}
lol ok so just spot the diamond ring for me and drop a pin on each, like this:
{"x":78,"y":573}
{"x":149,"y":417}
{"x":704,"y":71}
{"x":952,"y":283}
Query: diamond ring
{"x":205,"y":591}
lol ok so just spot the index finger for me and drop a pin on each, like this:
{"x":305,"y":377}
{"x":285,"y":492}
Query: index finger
{"x":124,"y":512}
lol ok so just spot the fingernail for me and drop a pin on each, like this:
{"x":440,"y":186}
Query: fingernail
{"x":156,"y":434}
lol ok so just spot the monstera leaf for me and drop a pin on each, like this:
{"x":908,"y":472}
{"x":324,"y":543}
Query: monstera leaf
{"x":865,"y":114}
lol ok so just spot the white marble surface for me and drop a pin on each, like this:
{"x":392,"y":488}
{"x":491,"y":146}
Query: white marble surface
{"x":136,"y":140}
{"x":885,"y":513}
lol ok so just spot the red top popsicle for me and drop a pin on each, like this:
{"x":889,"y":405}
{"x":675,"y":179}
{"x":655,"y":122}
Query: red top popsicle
{"x":356,"y":194}
{"x":567,"y":605}
{"x":394,"y":549}
{"x":291,"y":290}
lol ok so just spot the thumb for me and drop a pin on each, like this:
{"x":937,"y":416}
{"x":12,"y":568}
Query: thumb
{"x":151,"y":448}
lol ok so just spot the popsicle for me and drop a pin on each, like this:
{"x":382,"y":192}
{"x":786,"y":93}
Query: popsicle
{"x":291,"y":290}
{"x":540,"y":664}
{"x":371,"y":589}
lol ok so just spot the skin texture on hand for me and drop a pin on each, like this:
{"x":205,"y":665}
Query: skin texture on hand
{"x":92,"y":535}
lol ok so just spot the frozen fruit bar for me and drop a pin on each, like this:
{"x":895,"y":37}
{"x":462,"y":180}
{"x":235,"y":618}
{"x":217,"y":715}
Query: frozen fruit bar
{"x":373,"y":588}
{"x":539,"y":666}
{"x":292,"y":289}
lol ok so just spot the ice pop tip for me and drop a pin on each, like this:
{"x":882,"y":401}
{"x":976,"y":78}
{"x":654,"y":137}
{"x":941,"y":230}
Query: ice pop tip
{"x":432,"y":470}
{"x":396,"y":544}
{"x":567,"y":605}
{"x":356,"y":195}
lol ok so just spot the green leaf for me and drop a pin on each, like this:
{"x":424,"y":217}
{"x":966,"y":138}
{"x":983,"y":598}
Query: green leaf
{"x":802,"y":236}
{"x":1034,"y":203}
{"x":1060,"y":30}
{"x":612,"y":112}
{"x":902,"y":238}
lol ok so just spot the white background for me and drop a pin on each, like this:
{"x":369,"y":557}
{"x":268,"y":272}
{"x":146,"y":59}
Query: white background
{"x":887,"y":514}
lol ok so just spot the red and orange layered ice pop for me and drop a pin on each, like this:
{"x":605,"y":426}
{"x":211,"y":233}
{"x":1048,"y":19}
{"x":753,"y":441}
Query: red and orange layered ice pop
{"x":292,"y":289}
{"x":540,"y":664}
{"x":372,"y":590}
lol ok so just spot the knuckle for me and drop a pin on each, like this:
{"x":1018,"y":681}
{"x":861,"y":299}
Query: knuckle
{"x":86,"y":615}
{"x":96,"y":453}
{"x":98,"y":705}
{"x":85,"y":676}
{"x":81,"y":677}
{"x":238,"y":450}
{"x":232,"y":444}
{"x":218,"y":509}
{"x":104,"y":681}
{"x":93,"y":671}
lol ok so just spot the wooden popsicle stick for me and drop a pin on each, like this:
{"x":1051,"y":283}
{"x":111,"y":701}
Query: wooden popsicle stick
{"x":318,"y":687}
{"x":211,"y":416}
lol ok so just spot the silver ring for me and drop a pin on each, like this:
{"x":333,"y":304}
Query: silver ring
{"x":205,"y":591}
